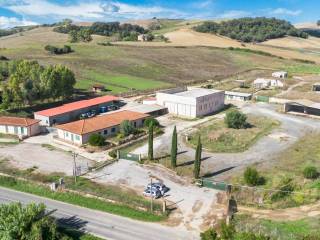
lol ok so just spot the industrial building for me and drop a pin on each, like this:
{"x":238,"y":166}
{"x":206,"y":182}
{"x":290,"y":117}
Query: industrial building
{"x":72,"y":111}
{"x":191,"y":103}
{"x":280,"y":74}
{"x":303,"y":107}
{"x":107,"y":125}
{"x":22,"y":127}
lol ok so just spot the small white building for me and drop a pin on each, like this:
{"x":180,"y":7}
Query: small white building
{"x":191,"y":103}
{"x":237,"y":96}
{"x":22,"y":127}
{"x":261,"y":83}
{"x":280,"y":74}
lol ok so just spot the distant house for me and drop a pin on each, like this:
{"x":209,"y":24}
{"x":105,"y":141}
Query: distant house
{"x":98,"y":88}
{"x":149,"y":101}
{"x":78,"y":132}
{"x":22,"y":127}
{"x":237,"y":96}
{"x":280,"y":74}
{"x":72,"y":111}
{"x":261,"y":83}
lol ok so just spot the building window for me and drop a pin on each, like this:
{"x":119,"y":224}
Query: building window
{"x":67,"y":135}
{"x":77,"y":137}
{"x":113,"y":130}
{"x":22,"y":130}
{"x":105,"y":132}
{"x":134,"y":124}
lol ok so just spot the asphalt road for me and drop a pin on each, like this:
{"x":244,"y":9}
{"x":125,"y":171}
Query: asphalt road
{"x":99,"y":223}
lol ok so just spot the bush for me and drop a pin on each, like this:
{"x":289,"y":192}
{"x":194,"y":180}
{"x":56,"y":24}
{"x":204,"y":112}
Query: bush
{"x":55,"y":50}
{"x":96,"y":140}
{"x":154,"y":121}
{"x":252,"y":178}
{"x":113,"y":154}
{"x":310,"y":172}
{"x":126,"y":128}
{"x":235,"y":119}
{"x":210,"y":234}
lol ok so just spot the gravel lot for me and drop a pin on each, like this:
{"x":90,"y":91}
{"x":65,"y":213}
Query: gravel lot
{"x":27,"y":155}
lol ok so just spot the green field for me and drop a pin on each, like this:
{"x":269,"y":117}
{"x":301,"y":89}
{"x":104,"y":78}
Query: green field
{"x":118,"y":83}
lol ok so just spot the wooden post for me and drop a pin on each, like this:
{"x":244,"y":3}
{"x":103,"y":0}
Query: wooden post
{"x":164,"y":206}
{"x":118,"y":154}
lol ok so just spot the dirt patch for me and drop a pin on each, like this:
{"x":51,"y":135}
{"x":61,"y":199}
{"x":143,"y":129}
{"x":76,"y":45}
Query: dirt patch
{"x":197,"y":205}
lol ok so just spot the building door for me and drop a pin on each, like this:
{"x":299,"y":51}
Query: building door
{"x":16,"y":130}
{"x":72,"y":137}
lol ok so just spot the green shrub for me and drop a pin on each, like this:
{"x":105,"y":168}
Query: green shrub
{"x":310,"y":172}
{"x":113,"y":154}
{"x":154,"y":121}
{"x":235,"y":119}
{"x":127,"y":128}
{"x":210,"y":234}
{"x":96,"y":140}
{"x":252,"y":178}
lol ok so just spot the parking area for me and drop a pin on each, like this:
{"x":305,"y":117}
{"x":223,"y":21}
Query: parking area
{"x":196,"y":206}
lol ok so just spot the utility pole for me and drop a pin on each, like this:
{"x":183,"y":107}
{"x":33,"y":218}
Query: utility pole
{"x":151,"y":195}
{"x":74,"y":154}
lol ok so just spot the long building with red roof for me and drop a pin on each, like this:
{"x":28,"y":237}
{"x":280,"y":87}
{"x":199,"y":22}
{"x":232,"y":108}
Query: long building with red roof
{"x":72,"y":111}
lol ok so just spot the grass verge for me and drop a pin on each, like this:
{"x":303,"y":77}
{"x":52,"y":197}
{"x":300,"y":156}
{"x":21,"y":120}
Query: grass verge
{"x":79,"y":200}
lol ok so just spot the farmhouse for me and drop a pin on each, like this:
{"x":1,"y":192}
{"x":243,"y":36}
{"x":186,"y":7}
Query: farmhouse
{"x":72,"y":111}
{"x":280,"y":74}
{"x":78,"y":132}
{"x":304,"y":107}
{"x":261,"y":83}
{"x":237,"y":96}
{"x":22,"y":127}
{"x":191,"y":103}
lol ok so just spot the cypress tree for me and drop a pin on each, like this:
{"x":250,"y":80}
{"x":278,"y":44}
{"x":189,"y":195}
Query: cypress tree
{"x":174,"y":148}
{"x":197,"y":161}
{"x":150,"y":141}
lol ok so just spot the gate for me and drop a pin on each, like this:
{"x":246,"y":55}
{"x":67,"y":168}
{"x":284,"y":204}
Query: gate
{"x":213,"y":184}
{"x":262,"y":99}
{"x":129,"y":156}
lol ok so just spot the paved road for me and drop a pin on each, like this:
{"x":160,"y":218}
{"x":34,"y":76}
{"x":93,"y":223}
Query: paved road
{"x":101,"y":224}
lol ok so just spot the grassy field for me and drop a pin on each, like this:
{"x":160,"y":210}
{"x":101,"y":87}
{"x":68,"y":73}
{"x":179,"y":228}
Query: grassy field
{"x":216,"y":137}
{"x":284,"y":230}
{"x":285,"y":172}
{"x":123,"y":67}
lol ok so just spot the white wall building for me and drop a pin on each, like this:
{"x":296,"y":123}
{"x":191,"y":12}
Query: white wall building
{"x":261,"y":83}
{"x":280,"y":74}
{"x":237,"y":96}
{"x":191,"y":103}
{"x":22,"y":127}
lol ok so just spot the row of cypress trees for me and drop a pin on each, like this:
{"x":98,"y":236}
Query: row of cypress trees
{"x":174,"y":151}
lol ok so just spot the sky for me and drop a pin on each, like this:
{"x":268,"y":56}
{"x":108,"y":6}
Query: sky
{"x":32,"y":12}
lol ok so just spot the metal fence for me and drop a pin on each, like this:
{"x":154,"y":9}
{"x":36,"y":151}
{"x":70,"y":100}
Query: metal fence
{"x":129,"y":156}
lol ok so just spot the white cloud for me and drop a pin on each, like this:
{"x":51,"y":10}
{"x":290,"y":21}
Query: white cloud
{"x":9,"y":22}
{"x":86,"y":10}
{"x":204,"y":4}
{"x":284,"y":11}
{"x":234,"y":14}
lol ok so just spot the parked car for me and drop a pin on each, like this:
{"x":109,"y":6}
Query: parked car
{"x":159,"y":186}
{"x":154,"y":193}
{"x":113,"y":107}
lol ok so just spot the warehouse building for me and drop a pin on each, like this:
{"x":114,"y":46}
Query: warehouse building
{"x":72,"y":111}
{"x":191,"y":103}
{"x":302,"y":107}
{"x":22,"y":127}
{"x":107,"y":125}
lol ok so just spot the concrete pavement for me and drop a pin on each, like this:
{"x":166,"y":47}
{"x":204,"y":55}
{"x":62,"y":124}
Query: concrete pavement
{"x":101,"y":224}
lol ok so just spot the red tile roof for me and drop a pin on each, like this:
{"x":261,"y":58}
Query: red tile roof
{"x":76,"y":106}
{"x":16,"y":121}
{"x":101,"y":122}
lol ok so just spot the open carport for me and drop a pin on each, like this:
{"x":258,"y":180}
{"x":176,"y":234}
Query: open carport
{"x":302,"y":107}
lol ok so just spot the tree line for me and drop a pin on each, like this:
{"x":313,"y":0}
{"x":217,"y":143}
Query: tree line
{"x":252,"y":29}
{"x":125,"y":32}
{"x":26,"y":82}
